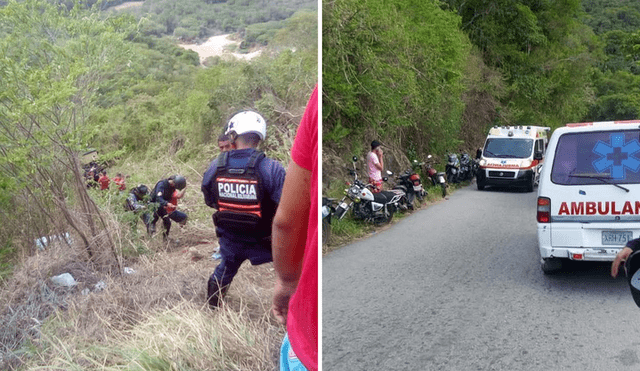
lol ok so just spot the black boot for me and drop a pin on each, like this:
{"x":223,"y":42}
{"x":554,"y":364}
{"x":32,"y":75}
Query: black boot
{"x":215,"y":293}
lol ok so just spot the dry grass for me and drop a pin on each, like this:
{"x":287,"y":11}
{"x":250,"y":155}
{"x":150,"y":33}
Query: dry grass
{"x":153,"y":319}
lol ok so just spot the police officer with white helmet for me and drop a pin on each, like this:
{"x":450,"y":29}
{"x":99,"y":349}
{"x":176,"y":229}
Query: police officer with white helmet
{"x":244,"y":187}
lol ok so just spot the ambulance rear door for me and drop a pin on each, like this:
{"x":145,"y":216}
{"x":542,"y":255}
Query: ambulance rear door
{"x":595,"y":189}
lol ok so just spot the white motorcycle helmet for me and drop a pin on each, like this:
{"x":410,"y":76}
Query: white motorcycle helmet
{"x":247,"y":122}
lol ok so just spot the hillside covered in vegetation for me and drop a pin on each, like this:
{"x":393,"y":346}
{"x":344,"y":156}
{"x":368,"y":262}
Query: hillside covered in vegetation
{"x":430,"y":77}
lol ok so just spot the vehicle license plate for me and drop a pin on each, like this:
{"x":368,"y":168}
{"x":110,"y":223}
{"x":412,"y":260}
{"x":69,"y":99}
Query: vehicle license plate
{"x":441,"y":179}
{"x":616,"y":237}
{"x":344,"y":205}
{"x":417,"y":188}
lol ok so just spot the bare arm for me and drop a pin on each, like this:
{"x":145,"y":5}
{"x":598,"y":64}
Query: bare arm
{"x":620,"y":258}
{"x":289,"y":237}
{"x":380,"y":165}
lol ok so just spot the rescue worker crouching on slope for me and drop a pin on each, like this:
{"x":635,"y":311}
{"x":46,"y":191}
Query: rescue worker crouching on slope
{"x":137,"y":202}
{"x":245,"y":187}
{"x":165,"y":197}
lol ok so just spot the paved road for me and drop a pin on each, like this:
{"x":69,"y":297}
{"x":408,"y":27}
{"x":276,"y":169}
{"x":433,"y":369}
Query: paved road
{"x":458,"y":286}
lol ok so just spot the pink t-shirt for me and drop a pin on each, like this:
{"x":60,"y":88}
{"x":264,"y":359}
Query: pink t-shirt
{"x":302,"y":318}
{"x":372,"y":160}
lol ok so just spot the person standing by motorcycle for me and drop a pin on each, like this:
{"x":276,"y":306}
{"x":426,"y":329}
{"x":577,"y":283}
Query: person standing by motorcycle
{"x":244,"y":187}
{"x":162,"y":195}
{"x":375,"y":164}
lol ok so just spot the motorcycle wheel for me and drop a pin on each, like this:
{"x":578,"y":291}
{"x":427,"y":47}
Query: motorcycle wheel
{"x":385,"y":219}
{"x":326,"y":231}
{"x":409,"y":200}
{"x":450,"y":178}
{"x":444,"y":190}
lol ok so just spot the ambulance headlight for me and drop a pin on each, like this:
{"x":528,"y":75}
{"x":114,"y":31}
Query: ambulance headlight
{"x":483,"y":162}
{"x":526,"y":163}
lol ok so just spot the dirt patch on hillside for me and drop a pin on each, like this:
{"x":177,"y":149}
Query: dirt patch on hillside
{"x":130,"y":4}
{"x":218,"y":46}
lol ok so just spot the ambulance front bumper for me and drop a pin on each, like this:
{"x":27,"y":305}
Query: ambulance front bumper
{"x":505,"y":176}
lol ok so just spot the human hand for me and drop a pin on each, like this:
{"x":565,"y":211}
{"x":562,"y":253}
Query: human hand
{"x":621,"y":257}
{"x":281,"y":296}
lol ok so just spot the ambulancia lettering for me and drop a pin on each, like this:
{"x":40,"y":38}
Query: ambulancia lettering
{"x":600,"y":208}
{"x":241,"y":191}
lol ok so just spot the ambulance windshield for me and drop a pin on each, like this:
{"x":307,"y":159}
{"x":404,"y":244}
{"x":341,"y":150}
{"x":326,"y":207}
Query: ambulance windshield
{"x":508,"y":148}
{"x":597,"y":158}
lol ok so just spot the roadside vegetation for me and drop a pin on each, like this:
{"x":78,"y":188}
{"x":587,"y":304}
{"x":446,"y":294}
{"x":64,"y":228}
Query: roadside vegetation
{"x":73,"y":79}
{"x":431,"y":77}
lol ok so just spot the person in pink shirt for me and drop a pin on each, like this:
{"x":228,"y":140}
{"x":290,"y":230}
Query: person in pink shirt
{"x":375,"y":164}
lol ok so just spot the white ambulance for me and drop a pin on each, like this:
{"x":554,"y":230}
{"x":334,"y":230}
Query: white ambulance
{"x":589,"y":192}
{"x":512,"y":155}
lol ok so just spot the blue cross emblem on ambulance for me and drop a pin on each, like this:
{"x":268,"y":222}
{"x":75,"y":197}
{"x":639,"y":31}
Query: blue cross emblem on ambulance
{"x":617,"y":156}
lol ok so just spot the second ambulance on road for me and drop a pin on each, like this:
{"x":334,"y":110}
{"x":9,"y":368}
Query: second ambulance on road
{"x":512,"y":155}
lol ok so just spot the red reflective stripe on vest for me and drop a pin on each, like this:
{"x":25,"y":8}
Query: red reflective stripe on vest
{"x":249,"y":209}
{"x":253,"y":209}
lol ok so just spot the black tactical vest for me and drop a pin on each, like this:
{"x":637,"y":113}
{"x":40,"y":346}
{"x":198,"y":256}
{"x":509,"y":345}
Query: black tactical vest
{"x":239,"y":194}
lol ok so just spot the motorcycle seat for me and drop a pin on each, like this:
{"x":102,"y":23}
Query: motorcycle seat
{"x":382,"y":197}
{"x":389,"y":195}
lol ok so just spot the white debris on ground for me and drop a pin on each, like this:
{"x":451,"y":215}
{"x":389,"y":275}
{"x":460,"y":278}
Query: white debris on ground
{"x":44,"y":241}
{"x":64,"y":279}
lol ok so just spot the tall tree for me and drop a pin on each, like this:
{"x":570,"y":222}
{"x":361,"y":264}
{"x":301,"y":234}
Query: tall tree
{"x":52,"y":61}
{"x":391,"y":68}
{"x":542,"y":50}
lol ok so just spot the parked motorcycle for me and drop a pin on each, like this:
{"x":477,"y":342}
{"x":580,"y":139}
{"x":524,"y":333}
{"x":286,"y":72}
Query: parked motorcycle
{"x":452,"y":168}
{"x":466,"y":171}
{"x":475,"y":166}
{"x":377,"y":208}
{"x":437,"y":178}
{"x":328,"y":208}
{"x":410,"y":183}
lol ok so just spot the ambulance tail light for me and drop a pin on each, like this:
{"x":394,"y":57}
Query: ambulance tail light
{"x":544,"y":210}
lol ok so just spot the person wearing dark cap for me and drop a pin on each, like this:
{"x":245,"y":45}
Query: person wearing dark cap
{"x":375,"y":165}
{"x":162,"y":195}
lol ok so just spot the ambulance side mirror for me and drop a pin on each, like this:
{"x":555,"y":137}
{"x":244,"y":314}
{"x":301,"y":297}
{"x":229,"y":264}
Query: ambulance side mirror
{"x":538,"y":155}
